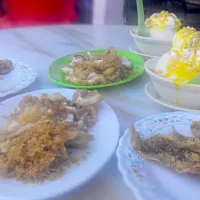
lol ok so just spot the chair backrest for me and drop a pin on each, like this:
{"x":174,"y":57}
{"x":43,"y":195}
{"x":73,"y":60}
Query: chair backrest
{"x":32,"y":12}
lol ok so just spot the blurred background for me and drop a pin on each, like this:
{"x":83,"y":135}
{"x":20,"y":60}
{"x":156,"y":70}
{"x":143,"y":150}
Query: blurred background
{"x":187,"y":10}
{"x":15,"y":13}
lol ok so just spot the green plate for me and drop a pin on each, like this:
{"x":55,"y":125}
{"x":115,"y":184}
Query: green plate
{"x":56,"y":75}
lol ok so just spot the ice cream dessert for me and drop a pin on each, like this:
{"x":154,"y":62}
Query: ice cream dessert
{"x":182,"y":62}
{"x":163,"y":25}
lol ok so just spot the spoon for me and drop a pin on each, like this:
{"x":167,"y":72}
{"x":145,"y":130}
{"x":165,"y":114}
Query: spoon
{"x":142,"y":31}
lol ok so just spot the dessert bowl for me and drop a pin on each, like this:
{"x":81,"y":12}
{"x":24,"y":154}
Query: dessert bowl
{"x":181,"y":94}
{"x":151,"y":46}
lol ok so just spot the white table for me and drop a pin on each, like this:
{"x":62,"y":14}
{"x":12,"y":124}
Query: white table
{"x":39,"y":47}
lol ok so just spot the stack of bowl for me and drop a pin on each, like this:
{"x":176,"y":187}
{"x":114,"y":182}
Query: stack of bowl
{"x":180,"y":94}
{"x":150,"y":46}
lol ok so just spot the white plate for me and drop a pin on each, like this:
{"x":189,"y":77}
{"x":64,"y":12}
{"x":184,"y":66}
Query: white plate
{"x":101,"y":149}
{"x":135,"y":50}
{"x":148,"y":180}
{"x":19,"y":78}
{"x":152,"y":93}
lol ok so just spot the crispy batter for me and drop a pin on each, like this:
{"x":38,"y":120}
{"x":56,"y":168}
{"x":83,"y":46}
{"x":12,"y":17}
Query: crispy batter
{"x":170,"y":150}
{"x":5,"y":66}
{"x":35,"y":142}
{"x":32,"y":153}
{"x":94,"y":69}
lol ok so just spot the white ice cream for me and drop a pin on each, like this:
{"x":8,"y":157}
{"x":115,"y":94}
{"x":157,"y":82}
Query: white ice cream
{"x":161,"y":66}
{"x":166,"y":33}
{"x":163,"y":25}
{"x":182,"y":62}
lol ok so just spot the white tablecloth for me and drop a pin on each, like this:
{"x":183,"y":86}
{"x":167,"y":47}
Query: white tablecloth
{"x":39,"y":47}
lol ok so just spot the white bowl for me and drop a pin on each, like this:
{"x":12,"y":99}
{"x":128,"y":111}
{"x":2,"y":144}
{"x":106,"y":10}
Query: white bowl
{"x":151,"y":46}
{"x":135,"y":50}
{"x":185,"y":95}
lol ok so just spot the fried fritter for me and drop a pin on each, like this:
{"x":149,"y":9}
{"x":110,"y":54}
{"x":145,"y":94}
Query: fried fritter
{"x":41,"y":131}
{"x":170,"y":150}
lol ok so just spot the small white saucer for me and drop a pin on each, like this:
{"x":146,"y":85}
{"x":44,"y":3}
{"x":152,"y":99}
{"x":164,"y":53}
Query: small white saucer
{"x":152,"y":94}
{"x":135,"y":50}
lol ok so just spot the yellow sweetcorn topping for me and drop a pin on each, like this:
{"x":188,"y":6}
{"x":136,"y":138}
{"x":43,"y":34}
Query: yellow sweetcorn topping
{"x":180,"y":71}
{"x":184,"y":57}
{"x":158,"y":20}
{"x":187,"y":37}
{"x":195,"y":41}
{"x":182,"y":68}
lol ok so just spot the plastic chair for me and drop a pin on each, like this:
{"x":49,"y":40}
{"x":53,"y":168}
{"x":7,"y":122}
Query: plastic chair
{"x":32,"y":12}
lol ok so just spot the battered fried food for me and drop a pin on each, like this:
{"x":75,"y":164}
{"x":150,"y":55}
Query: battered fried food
{"x":5,"y":66}
{"x":39,"y":132}
{"x":169,"y":150}
{"x":94,"y":69}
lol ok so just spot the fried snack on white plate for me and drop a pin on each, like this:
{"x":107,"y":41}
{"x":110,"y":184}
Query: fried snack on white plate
{"x":41,"y":132}
{"x":174,"y":150}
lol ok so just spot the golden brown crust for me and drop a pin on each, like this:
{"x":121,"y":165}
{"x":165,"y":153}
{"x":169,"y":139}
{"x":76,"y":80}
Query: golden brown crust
{"x":5,"y":66}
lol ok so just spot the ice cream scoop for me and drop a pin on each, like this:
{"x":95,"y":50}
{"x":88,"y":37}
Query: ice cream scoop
{"x":163,"y":25}
{"x":182,"y":62}
{"x":186,"y":38}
